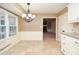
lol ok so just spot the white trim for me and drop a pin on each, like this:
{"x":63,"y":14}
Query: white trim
{"x":11,"y":45}
{"x":56,"y":23}
{"x":30,"y":35}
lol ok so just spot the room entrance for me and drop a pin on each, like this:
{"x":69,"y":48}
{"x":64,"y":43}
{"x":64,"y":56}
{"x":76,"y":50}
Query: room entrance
{"x":49,"y":28}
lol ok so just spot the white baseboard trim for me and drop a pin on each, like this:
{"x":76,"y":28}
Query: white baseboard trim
{"x":30,"y":35}
{"x":10,"y":45}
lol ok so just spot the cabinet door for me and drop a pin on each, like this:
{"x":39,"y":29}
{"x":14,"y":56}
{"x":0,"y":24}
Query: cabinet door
{"x":65,"y":45}
{"x":75,"y":47}
{"x":74,"y":50}
{"x":73,"y":12}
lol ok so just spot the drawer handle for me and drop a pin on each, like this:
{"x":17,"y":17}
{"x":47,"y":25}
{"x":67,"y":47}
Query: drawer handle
{"x":64,"y":37}
{"x":63,"y":50}
{"x":77,"y":18}
{"x":76,"y":42}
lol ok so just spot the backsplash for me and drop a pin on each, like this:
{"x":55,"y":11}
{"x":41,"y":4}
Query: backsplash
{"x":76,"y":27}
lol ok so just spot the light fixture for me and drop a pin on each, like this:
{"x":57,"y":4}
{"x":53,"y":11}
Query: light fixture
{"x":28,"y":16}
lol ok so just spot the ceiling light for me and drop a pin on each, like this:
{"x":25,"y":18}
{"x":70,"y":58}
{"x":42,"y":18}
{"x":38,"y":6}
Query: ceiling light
{"x":28,"y":16}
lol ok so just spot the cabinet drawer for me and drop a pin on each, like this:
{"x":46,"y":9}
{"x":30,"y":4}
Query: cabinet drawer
{"x":65,"y":50}
{"x":76,"y":44}
{"x":74,"y":50}
{"x":65,"y":39}
{"x":69,"y":45}
{"x":74,"y":41}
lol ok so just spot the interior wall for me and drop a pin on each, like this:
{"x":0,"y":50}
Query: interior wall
{"x":35,"y":25}
{"x":20,"y":24}
{"x":34,"y":29}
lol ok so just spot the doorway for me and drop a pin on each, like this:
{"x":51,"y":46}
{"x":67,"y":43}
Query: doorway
{"x":49,"y":28}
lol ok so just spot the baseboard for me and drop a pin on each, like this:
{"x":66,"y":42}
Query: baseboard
{"x":9,"y":46}
{"x":30,"y":35}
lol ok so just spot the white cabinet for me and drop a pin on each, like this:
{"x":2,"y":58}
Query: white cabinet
{"x":69,"y":45}
{"x":64,"y":45}
{"x":8,"y":28}
{"x":73,"y":12}
{"x":74,"y":50}
{"x":63,"y":25}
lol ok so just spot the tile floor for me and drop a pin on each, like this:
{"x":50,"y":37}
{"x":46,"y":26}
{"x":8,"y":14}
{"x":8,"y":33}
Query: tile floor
{"x":49,"y":46}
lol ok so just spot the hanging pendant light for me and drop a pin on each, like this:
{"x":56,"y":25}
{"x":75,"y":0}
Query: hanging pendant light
{"x":28,"y":16}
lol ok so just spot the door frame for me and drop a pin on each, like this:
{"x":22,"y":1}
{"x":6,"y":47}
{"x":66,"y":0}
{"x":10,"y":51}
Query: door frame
{"x":56,"y":26}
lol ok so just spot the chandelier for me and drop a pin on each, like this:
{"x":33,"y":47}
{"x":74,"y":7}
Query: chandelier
{"x":28,"y":16}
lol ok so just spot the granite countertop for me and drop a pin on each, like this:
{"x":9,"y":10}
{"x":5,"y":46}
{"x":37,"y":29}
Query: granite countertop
{"x":73,"y":35}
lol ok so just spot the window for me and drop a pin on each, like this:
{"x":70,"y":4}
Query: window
{"x":2,"y":26}
{"x":7,"y":25}
{"x":12,"y":25}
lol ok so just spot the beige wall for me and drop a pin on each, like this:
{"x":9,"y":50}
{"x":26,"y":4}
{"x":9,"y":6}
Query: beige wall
{"x":20,"y":24}
{"x":36,"y":24}
{"x":63,"y":11}
{"x":34,"y":29}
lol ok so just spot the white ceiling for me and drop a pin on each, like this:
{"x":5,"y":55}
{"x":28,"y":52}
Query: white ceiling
{"x":45,"y":7}
{"x":20,"y":8}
